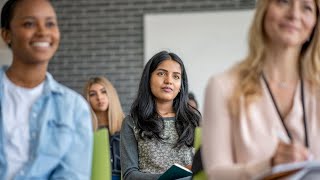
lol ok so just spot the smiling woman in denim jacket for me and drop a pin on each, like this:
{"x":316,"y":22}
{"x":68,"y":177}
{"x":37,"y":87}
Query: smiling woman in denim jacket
{"x":45,"y":128}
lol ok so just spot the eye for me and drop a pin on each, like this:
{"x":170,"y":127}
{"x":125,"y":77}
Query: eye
{"x":283,"y":1}
{"x":51,"y":24}
{"x":91,"y":94}
{"x":308,"y":7}
{"x":160,"y":73}
{"x":177,"y":77}
{"x":104,"y":92}
{"x":28,"y":24}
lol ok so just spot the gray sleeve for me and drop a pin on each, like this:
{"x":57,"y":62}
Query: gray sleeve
{"x":129,"y":154}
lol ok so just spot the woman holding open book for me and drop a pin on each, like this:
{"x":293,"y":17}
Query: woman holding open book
{"x":272,"y":95}
{"x":160,"y":128}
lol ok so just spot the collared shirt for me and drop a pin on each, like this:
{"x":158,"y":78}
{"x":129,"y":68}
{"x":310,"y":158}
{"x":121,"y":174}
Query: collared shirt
{"x":60,"y":131}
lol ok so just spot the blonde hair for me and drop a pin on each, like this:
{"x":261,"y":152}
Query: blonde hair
{"x":250,"y":69}
{"x":115,"y":113}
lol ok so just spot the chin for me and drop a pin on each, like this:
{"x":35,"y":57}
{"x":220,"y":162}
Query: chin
{"x":291,"y":41}
{"x":96,"y":110}
{"x":42,"y":59}
{"x":102,"y":109}
{"x":167,"y":99}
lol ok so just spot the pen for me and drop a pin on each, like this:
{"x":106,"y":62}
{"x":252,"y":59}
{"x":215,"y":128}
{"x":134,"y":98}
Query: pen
{"x":286,"y":140}
{"x":283,"y":137}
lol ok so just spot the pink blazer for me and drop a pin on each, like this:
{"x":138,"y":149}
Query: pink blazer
{"x":241,"y":148}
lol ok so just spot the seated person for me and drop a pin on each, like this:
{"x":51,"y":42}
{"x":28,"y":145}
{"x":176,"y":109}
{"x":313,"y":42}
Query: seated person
{"x":106,"y":113}
{"x":45,"y":130}
{"x":160,"y":128}
{"x":270,"y":96}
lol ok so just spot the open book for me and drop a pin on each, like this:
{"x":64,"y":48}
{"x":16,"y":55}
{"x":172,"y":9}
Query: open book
{"x":176,"y":171}
{"x":290,"y":169}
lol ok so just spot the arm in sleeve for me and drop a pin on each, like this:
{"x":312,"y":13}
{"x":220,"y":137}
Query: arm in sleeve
{"x":129,"y":154}
{"x":76,"y":163}
{"x":217,"y":137}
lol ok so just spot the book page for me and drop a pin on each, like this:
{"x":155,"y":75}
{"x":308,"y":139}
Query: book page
{"x":288,"y":169}
{"x":182,"y":167}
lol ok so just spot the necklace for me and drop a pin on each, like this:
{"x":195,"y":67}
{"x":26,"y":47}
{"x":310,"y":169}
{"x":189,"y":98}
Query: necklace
{"x":283,"y":85}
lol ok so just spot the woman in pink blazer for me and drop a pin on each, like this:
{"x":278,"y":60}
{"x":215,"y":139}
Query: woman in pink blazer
{"x":265,"y":111}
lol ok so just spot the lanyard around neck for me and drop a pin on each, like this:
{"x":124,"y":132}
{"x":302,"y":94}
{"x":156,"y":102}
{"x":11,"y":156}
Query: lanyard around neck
{"x":282,"y":119}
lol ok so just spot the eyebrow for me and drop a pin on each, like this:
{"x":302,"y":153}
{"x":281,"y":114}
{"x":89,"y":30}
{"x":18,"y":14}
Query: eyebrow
{"x":47,"y":18}
{"x":309,"y":1}
{"x":160,"y":69}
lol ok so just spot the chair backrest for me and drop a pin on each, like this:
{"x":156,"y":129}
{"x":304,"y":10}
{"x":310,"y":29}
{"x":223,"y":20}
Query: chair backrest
{"x":101,"y":161}
{"x":197,"y":138}
{"x":197,"y":143}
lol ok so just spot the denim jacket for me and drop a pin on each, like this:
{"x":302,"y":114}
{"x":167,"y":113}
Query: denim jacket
{"x":61,"y":135}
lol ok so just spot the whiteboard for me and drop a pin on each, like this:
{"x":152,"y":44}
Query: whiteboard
{"x":207,"y":42}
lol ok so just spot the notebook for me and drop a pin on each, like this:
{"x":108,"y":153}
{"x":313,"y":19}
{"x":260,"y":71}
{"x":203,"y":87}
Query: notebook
{"x":176,"y":171}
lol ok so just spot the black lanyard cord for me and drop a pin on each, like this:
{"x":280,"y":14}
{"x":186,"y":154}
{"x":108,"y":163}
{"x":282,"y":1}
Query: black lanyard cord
{"x":306,"y":139}
{"x":282,"y":119}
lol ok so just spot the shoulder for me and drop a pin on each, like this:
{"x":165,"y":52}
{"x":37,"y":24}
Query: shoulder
{"x":63,"y":93}
{"x":225,"y":81}
{"x":128,"y":128}
{"x":128,"y":122}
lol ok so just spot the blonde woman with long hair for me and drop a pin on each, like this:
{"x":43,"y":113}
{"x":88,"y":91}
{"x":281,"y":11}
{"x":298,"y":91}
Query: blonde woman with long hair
{"x":107,"y":113}
{"x":272,"y":95}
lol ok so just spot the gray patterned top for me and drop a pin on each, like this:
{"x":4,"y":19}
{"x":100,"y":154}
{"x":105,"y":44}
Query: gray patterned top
{"x":148,"y":159}
{"x":157,"y":156}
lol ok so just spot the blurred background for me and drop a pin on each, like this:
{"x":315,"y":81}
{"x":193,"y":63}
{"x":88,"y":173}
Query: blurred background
{"x":108,"y":37}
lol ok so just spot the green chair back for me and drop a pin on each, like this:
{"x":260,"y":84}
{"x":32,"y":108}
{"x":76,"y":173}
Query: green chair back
{"x":101,"y":161}
{"x":197,"y":143}
{"x":197,"y":138}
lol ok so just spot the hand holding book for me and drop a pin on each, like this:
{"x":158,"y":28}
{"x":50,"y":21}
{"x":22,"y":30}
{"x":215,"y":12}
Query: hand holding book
{"x":289,"y":158}
{"x":289,"y":152}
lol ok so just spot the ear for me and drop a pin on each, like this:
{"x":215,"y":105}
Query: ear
{"x":6,"y":36}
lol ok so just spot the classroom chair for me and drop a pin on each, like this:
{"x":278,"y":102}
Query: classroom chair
{"x":101,"y":164}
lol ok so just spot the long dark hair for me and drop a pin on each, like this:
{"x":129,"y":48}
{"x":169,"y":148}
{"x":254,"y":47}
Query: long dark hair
{"x":144,"y":112}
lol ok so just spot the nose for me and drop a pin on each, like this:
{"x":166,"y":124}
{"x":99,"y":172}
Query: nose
{"x":99,"y":96}
{"x":168,"y":80}
{"x":41,"y":29}
{"x":294,"y":11}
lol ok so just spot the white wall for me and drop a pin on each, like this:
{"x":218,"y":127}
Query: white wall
{"x":5,"y":54}
{"x":207,"y":42}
